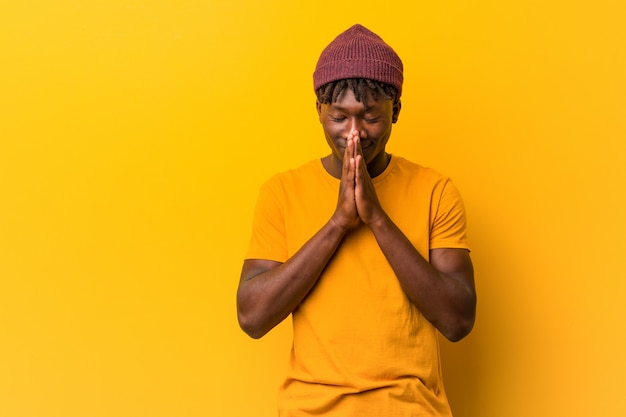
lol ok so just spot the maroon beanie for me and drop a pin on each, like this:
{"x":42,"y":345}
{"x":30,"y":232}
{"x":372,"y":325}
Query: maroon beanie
{"x":358,"y":53}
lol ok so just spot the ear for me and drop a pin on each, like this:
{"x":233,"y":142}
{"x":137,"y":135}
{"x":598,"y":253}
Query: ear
{"x":396,"y":111}
{"x":318,"y":106}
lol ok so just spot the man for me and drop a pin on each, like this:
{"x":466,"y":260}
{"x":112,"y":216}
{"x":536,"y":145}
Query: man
{"x":367,"y":252}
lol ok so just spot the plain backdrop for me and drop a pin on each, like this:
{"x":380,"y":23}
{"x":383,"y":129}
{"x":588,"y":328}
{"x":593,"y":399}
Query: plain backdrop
{"x":135,"y":134}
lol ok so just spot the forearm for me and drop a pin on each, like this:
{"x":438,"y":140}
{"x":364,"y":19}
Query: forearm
{"x":265,"y":299}
{"x":446,"y":300}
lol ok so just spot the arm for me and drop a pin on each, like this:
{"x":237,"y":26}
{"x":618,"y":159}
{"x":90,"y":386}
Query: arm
{"x":442,"y":289}
{"x":269,"y":291}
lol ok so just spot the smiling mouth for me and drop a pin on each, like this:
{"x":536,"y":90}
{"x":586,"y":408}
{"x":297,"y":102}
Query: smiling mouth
{"x":341,"y":145}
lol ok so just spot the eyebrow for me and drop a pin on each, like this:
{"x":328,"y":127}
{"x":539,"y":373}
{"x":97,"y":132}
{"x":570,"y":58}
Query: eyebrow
{"x":341,"y":108}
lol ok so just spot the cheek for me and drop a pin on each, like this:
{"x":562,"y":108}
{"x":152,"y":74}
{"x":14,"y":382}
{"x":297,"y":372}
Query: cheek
{"x":380,"y":133}
{"x":381,"y":138}
{"x":328,"y":133}
{"x":332,"y":131}
{"x":333,"y":146}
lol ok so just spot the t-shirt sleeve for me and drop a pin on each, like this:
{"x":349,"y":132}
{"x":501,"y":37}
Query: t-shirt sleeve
{"x":268,"y":240}
{"x":449,"y":221}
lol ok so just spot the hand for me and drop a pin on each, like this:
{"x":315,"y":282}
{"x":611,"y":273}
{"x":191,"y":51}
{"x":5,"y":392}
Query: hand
{"x":367,"y":204}
{"x":346,"y":214}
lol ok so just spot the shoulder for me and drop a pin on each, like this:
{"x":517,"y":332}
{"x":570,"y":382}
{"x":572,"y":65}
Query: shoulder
{"x":295,"y":178}
{"x":424,"y":183}
{"x":310,"y":168}
{"x":416,"y":173}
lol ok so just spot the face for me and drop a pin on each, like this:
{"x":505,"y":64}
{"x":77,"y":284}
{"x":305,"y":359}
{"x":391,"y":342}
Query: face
{"x":371,"y":118}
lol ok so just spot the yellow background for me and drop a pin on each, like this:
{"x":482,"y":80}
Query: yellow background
{"x":134,"y":135}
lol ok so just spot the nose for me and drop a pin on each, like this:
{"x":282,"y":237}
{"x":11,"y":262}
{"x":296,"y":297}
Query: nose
{"x":355,"y":124}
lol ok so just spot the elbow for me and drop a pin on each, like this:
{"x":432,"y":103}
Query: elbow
{"x":250,"y":325}
{"x":253,"y":333}
{"x":251,"y":329}
{"x":461,"y":322}
{"x":458,"y":331}
{"x":459,"y":327}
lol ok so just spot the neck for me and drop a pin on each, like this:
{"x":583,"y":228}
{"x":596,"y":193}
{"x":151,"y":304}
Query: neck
{"x":376,"y":166}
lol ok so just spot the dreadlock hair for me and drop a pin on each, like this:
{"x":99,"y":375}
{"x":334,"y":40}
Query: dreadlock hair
{"x":329,"y":93}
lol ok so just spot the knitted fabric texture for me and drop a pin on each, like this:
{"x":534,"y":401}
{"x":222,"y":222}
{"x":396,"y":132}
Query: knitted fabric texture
{"x":359,"y":53}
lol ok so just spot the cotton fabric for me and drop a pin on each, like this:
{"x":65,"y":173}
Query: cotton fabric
{"x":360,"y":347}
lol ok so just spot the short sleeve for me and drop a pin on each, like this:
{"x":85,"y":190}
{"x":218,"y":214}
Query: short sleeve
{"x":448,"y":222}
{"x":268,"y":240}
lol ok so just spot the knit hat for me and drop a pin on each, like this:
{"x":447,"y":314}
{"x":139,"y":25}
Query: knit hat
{"x":358,"y":53}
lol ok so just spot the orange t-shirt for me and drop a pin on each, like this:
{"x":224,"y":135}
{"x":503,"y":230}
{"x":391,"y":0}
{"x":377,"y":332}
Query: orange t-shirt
{"x":360,"y":347}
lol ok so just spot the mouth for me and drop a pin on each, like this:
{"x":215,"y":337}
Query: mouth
{"x":342,"y":144}
{"x":366,"y":146}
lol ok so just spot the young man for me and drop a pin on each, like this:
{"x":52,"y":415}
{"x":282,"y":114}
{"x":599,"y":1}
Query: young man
{"x":367,"y":252}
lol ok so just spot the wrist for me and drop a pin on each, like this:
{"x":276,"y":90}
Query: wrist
{"x":340,"y":225}
{"x":378,"y":221}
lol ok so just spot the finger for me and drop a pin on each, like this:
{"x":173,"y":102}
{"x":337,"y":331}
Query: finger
{"x":352,"y":172}
{"x":347,"y":154}
{"x":358,"y":152}
{"x":357,"y":142}
{"x":362,"y":179}
{"x":351,"y":162}
{"x":358,"y":170}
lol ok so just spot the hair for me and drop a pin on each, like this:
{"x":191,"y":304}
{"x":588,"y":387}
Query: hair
{"x":329,"y":93}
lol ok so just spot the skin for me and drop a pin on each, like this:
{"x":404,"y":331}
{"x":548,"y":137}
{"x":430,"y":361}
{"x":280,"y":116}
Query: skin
{"x":357,"y":134}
